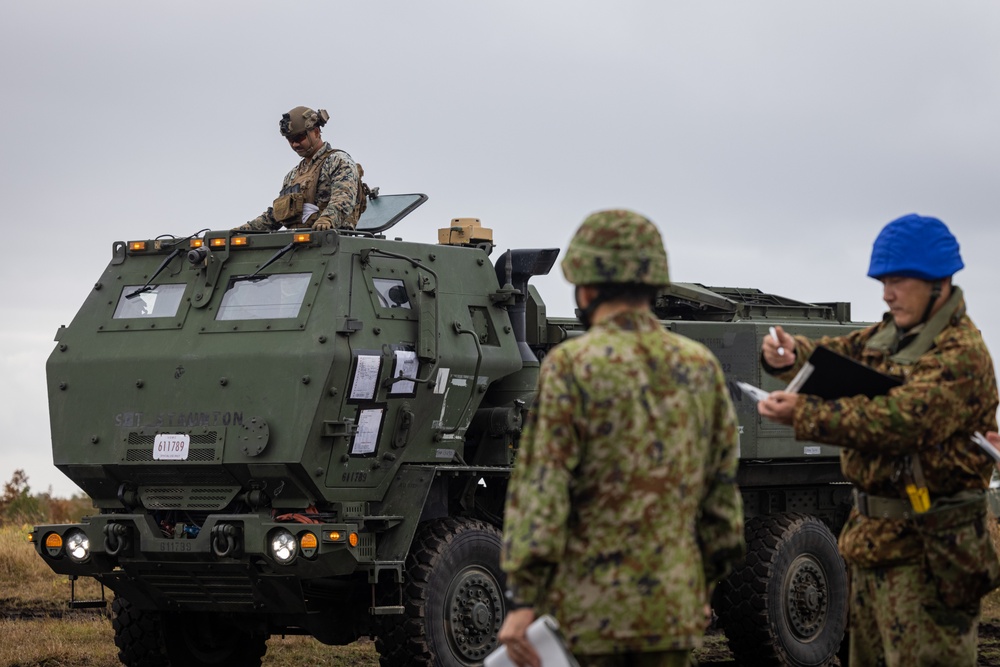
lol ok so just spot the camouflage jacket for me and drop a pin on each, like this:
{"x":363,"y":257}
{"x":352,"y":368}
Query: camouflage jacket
{"x":949,"y":392}
{"x":622,"y":510}
{"x":336,"y":190}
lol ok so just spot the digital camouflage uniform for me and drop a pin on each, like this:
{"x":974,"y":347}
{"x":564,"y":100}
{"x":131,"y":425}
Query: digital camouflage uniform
{"x":916,"y":580}
{"x":622,"y":510}
{"x":336,"y":190}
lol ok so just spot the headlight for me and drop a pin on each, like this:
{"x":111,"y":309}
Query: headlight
{"x":77,"y":546}
{"x":283,"y":546}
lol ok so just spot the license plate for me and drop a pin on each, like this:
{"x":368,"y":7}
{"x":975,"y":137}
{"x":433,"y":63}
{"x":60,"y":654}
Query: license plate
{"x":171,"y":447}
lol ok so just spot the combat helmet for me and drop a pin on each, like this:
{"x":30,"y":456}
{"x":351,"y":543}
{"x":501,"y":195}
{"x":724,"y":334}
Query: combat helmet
{"x":616,"y":246}
{"x":915,"y":246}
{"x":301,"y":119}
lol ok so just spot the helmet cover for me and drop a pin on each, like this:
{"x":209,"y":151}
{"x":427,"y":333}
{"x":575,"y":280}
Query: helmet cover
{"x":301,"y":119}
{"x":616,"y":246}
{"x":915,"y":246}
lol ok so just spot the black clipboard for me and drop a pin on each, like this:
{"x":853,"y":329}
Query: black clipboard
{"x":830,"y":376}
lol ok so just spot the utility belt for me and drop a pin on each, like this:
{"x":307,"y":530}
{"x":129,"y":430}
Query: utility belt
{"x":880,"y":507}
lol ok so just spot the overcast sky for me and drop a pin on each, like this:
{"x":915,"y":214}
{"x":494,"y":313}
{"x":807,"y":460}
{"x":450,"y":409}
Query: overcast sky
{"x":770,"y":141}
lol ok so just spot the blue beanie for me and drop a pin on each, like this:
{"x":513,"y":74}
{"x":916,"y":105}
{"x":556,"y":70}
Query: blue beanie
{"x":915,"y":246}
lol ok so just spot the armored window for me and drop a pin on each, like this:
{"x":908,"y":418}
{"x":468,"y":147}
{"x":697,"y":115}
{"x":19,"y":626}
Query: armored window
{"x":391,"y":293}
{"x":275,"y":296}
{"x":159,"y":301}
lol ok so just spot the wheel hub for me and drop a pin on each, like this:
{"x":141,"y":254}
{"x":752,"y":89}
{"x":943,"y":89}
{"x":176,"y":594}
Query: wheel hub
{"x":474,"y":614}
{"x":806,"y":597}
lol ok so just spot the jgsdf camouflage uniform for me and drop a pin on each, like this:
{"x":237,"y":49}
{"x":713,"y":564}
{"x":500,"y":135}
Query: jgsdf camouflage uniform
{"x":622,"y":510}
{"x":329,"y":179}
{"x":932,"y":568}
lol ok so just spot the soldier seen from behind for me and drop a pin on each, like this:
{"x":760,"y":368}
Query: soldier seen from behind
{"x":916,"y":540}
{"x":622,"y":510}
{"x":324,"y":190}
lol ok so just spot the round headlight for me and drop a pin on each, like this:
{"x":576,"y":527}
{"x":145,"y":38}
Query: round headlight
{"x":77,"y":546}
{"x":283,"y":546}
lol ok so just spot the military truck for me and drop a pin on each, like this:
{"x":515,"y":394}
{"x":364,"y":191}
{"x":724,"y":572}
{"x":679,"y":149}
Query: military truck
{"x":304,"y":432}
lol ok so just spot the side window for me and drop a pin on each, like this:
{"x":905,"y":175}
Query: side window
{"x":156,"y":301}
{"x":391,"y":293}
{"x":275,"y":296}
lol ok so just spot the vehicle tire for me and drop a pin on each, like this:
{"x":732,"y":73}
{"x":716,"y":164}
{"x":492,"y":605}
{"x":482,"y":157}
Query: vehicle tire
{"x":452,"y":596}
{"x":138,"y":635}
{"x":196,"y":640}
{"x":787,"y":603}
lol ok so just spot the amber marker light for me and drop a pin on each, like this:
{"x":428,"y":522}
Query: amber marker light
{"x":238,"y":241}
{"x":352,"y":539}
{"x":197,"y":243}
{"x":137,"y":246}
{"x":308,"y":544}
{"x":53,"y":544}
{"x":302,"y":237}
{"x":218,"y":242}
{"x":335,"y":536}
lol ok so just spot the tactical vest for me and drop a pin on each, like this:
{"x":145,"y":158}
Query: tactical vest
{"x":289,"y":205}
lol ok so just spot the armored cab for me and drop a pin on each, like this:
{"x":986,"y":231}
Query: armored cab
{"x":311,"y":432}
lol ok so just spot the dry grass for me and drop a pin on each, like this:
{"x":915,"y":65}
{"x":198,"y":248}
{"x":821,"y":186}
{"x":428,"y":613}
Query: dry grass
{"x":28,"y":588}
{"x":89,"y":642}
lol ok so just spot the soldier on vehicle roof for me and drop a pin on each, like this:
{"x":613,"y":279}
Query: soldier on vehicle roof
{"x":622,"y":511}
{"x":324,"y":190}
{"x":921,"y":558}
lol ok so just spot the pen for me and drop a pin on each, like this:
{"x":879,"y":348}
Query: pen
{"x":774,"y":335}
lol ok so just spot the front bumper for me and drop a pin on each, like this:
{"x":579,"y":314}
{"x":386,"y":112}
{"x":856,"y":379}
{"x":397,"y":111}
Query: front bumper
{"x":229,"y":564}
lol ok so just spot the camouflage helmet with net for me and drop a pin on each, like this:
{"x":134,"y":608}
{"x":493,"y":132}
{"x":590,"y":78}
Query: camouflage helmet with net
{"x":616,"y":246}
{"x":301,"y":119}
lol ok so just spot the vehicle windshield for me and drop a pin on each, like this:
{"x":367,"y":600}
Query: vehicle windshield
{"x":155,"y":301}
{"x":276,"y":296}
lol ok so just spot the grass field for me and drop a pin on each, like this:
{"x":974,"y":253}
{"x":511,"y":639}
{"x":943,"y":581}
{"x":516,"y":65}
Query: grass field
{"x":36,"y":630}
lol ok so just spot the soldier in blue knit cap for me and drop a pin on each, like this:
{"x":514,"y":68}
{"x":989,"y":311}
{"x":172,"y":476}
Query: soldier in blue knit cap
{"x":921,"y":558}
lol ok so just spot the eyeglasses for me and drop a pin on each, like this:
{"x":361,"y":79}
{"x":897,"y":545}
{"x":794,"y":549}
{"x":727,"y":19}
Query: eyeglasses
{"x":297,"y":138}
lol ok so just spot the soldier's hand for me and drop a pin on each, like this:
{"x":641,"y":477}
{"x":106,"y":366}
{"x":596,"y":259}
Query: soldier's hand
{"x":245,"y":227}
{"x":779,"y":407}
{"x":786,"y":343}
{"x":514,"y":635}
{"x":322,"y":224}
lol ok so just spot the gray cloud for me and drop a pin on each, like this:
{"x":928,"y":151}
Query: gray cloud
{"x":769,"y":140}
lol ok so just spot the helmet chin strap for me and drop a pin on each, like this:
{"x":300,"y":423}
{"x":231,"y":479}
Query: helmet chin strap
{"x":586,"y":315}
{"x":935,"y":293}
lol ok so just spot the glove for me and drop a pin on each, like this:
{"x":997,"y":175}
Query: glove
{"x":322,"y":224}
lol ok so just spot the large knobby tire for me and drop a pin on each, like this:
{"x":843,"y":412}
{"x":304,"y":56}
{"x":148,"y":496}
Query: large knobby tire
{"x":152,"y":639}
{"x":787,"y":603}
{"x":138,"y":635}
{"x":452,"y":595}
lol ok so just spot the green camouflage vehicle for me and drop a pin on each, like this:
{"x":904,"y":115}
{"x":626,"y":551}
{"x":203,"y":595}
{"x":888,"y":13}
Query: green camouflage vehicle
{"x":312,"y":432}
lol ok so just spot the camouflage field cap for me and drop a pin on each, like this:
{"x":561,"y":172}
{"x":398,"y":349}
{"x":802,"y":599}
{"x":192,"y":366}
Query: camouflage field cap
{"x":301,"y":119}
{"x":616,"y":246}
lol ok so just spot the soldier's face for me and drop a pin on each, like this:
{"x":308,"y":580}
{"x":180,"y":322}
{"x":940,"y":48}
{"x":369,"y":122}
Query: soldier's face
{"x":907,"y":299}
{"x":305,"y":143}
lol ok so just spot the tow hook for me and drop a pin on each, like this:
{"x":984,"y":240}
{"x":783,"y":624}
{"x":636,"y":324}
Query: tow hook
{"x":116,"y":538}
{"x":224,"y":540}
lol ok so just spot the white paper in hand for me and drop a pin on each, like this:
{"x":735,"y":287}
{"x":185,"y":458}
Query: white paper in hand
{"x":987,"y":446}
{"x":544,"y":635}
{"x":756,"y":393}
